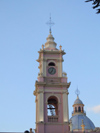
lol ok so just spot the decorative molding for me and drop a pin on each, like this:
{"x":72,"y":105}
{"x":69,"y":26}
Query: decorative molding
{"x":40,"y":74}
{"x":52,"y":58}
{"x":64,"y":74}
{"x":52,"y":52}
{"x":53,"y":91}
{"x":36,"y":100}
{"x":40,"y":65}
{"x":56,"y":123}
{"x":40,"y":92}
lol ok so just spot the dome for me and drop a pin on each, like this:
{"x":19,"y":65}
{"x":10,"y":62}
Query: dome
{"x":77,"y":122}
{"x":50,"y":44}
{"x":78,"y":101}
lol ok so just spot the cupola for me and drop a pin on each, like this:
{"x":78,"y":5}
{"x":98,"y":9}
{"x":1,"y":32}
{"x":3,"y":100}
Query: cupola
{"x":78,"y":107}
{"x":50,"y":44}
{"x":79,"y":121}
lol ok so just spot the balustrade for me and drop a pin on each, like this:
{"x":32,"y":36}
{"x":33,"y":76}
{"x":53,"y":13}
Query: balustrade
{"x":52,"y":118}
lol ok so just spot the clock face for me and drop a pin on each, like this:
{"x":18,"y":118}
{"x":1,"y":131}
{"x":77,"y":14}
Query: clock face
{"x":52,"y":70}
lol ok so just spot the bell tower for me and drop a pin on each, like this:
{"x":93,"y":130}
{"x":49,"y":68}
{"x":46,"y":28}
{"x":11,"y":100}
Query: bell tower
{"x":51,"y":90}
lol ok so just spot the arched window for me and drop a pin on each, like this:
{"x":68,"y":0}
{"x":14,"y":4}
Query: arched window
{"x":52,"y":107}
{"x":79,"y":109}
{"x":51,"y":64}
{"x":75,"y":109}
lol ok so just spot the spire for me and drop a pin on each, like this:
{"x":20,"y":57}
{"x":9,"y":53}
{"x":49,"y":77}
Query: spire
{"x":50,"y":44}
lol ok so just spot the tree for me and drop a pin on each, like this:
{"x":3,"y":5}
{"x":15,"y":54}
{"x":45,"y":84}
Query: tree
{"x":96,"y":4}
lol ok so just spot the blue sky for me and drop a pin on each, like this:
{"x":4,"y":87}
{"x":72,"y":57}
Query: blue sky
{"x":23,"y":30}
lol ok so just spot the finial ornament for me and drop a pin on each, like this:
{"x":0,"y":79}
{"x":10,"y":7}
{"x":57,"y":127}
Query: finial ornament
{"x":42,"y":47}
{"x":83,"y":126}
{"x":50,"y":23}
{"x":77,"y":92}
{"x":60,"y":47}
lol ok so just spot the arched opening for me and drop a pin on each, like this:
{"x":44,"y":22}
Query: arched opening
{"x":51,"y":64}
{"x":79,"y":109}
{"x":52,"y":109}
{"x":52,"y":106}
{"x":75,"y":109}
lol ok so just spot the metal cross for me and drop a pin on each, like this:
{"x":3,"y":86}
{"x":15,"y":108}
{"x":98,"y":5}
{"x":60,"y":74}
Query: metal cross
{"x":50,"y":23}
{"x":77,"y":92}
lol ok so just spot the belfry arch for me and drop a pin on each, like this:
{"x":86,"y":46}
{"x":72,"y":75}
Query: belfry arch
{"x":52,"y":106}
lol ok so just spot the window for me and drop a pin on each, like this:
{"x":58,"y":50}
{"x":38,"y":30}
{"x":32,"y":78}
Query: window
{"x":79,"y":109}
{"x":51,"y":64}
{"x":75,"y":109}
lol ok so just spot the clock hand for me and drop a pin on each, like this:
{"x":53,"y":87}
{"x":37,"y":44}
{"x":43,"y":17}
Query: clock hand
{"x":51,"y":70}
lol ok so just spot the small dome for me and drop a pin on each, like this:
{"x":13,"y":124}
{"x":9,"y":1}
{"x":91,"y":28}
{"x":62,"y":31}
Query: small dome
{"x":78,"y":101}
{"x":50,"y":37}
{"x":77,"y":122}
{"x":50,"y":44}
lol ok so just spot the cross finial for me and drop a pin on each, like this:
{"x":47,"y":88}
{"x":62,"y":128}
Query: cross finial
{"x":50,"y":23}
{"x":77,"y":92}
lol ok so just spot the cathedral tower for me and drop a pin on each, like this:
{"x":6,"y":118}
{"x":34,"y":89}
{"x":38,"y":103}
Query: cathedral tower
{"x":51,"y":90}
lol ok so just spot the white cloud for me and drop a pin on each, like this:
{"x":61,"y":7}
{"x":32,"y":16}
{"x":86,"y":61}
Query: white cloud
{"x":95,"y":109}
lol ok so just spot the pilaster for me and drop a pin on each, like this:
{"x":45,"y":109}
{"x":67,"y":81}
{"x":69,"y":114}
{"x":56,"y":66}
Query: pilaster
{"x":40,"y":106}
{"x":65,"y":107}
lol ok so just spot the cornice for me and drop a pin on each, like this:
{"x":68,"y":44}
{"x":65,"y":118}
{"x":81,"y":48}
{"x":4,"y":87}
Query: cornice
{"x":52,"y":58}
{"x":74,"y":105}
{"x":54,"y":123}
{"x":65,"y":92}
{"x":38,"y":84}
{"x":52,"y":84}
{"x":77,"y":113}
{"x":52,"y":51}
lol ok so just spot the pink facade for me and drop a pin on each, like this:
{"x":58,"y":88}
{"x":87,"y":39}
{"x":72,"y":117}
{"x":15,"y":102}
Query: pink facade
{"x":52,"y":91}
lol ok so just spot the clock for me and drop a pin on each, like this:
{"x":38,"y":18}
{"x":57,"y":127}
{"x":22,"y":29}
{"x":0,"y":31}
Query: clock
{"x":52,"y":70}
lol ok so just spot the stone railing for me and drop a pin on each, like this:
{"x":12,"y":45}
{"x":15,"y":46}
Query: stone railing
{"x":52,"y":118}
